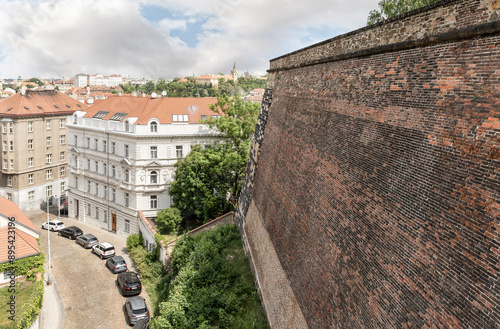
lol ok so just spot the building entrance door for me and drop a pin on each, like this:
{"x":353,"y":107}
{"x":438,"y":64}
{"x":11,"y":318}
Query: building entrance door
{"x":113,"y":222}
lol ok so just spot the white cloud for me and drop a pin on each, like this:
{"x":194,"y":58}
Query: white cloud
{"x":55,"y":38}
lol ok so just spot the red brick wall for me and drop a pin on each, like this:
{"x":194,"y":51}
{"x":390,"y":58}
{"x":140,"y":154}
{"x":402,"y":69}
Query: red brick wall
{"x":378,"y":181}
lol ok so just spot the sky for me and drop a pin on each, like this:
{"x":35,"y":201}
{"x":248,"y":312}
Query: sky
{"x":164,"y":38}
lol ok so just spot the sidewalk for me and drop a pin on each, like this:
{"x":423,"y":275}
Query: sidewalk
{"x":52,"y":313}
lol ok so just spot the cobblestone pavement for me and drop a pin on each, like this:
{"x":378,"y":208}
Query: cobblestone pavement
{"x":87,"y":287}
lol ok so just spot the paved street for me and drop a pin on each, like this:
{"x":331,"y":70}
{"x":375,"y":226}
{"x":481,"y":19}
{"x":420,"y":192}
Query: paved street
{"x":87,"y":287}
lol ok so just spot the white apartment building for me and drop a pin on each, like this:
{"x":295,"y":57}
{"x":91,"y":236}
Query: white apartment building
{"x":122,"y":153}
{"x":84,"y":80}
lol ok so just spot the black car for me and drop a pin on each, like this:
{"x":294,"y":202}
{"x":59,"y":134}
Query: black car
{"x":71,"y":232}
{"x":116,"y":264}
{"x":135,"y":310}
{"x":129,"y":284}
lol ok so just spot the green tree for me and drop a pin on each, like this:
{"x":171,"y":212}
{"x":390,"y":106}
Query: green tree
{"x":220,"y":167}
{"x":391,"y":8}
{"x":168,"y":220}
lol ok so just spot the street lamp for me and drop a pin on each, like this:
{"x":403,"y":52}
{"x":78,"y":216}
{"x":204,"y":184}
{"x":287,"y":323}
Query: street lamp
{"x":49,"y":277}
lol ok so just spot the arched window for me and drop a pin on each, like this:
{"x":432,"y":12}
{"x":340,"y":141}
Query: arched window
{"x":154,"y":127}
{"x":154,"y":177}
{"x":127,"y":175}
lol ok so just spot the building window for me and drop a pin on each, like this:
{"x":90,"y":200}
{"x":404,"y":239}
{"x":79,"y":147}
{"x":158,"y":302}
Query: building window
{"x":47,"y":125}
{"x":76,"y":140}
{"x":30,"y":126}
{"x":30,"y":144}
{"x":9,"y":180}
{"x":88,"y":186}
{"x":30,"y":179}
{"x":88,"y":164}
{"x":62,"y":156}
{"x":62,"y":123}
{"x":88,"y":142}
{"x":105,"y":192}
{"x":9,"y":196}
{"x":154,"y":177}
{"x":178,"y":151}
{"x":5,"y":127}
{"x":30,"y":162}
{"x":96,"y":143}
{"x":154,"y":127}
{"x":11,"y":146}
{"x":62,"y":172}
{"x":48,"y":174}
{"x":89,"y":211}
{"x":113,"y":195}
{"x":63,"y":187}
{"x":48,"y":158}
{"x":11,"y":127}
{"x":5,"y":146}
{"x":97,"y":189}
{"x":47,"y":141}
{"x":127,"y":126}
{"x":153,"y":201}
{"x":126,"y":199}
{"x":11,"y":164}
{"x":203,"y":117}
{"x":31,"y":196}
{"x":113,"y":171}
{"x":127,"y":226}
{"x":5,"y":164}
{"x":113,"y":147}
{"x":62,"y":139}
{"x":48,"y":191}
{"x":104,"y":146}
{"x":105,"y":216}
{"x":96,"y":212}
{"x":180,"y":118}
{"x":105,"y":169}
{"x":126,"y":150}
{"x":153,"y":150}
{"x":96,"y":166}
{"x":76,"y":182}
{"x":127,"y":175}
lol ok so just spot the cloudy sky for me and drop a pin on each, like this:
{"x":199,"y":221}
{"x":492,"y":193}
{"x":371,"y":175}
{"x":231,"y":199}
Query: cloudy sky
{"x":163,"y":38}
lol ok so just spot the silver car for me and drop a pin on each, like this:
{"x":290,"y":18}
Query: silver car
{"x":104,"y":250}
{"x":135,"y":310}
{"x":87,"y":240}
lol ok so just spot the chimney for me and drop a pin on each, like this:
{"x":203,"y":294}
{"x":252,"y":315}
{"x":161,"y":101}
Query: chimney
{"x":23,"y":90}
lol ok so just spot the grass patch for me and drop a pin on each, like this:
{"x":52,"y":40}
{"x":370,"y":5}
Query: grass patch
{"x":23,"y":294}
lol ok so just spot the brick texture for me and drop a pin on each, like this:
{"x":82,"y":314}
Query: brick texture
{"x":377,"y":179}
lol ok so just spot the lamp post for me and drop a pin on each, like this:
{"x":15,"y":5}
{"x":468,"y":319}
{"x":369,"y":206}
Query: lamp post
{"x":49,"y":277}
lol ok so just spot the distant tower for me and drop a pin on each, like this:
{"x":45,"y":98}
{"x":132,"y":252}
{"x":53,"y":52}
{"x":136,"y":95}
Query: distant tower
{"x":234,"y":73}
{"x":19,"y":80}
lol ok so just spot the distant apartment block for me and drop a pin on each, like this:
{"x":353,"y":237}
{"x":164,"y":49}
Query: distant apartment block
{"x":34,"y":139}
{"x":122,"y":155}
{"x":84,"y":80}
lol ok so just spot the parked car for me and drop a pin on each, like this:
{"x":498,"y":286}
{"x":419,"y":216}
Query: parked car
{"x":104,"y":250}
{"x":87,"y":240}
{"x":53,"y":225}
{"x":116,"y":264}
{"x":71,"y":232}
{"x":142,"y":324}
{"x":129,"y":283}
{"x":135,"y":310}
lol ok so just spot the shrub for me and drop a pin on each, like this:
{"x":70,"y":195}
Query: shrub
{"x":134,"y":240}
{"x":168,"y":220}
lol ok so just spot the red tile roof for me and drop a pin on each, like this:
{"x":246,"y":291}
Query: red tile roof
{"x":10,"y":209}
{"x":25,"y":244}
{"x":145,"y":108}
{"x":39,"y":102}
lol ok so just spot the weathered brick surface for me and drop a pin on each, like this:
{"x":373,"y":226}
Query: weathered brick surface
{"x":378,"y":182}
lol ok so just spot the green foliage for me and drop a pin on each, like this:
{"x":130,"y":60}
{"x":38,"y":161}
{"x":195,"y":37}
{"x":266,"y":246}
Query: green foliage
{"x":211,"y":285}
{"x":169,"y":220}
{"x":37,"y":81}
{"x":220,"y":167}
{"x":134,"y":240}
{"x":391,"y":8}
{"x":29,"y":299}
{"x":28,"y":266}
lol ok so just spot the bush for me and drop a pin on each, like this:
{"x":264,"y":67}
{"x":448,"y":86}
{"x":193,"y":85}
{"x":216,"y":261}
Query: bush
{"x":134,"y":240}
{"x":168,"y":220}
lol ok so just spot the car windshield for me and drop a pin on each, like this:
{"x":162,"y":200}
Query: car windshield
{"x":120,"y":262}
{"x":139,"y":311}
{"x":92,"y":239}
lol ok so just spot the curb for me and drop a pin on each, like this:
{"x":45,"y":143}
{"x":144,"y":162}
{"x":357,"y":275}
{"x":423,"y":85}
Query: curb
{"x":61,"y":305}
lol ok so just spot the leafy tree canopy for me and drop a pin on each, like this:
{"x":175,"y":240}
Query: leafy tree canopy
{"x":391,"y":8}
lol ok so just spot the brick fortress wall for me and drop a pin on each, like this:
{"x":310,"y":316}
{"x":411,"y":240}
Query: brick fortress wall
{"x":372,"y":195}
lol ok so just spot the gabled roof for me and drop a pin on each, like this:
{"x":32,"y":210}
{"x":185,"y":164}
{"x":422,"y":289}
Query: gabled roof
{"x":145,"y":108}
{"x":25,"y":244}
{"x":39,"y":102}
{"x":10,"y":209}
